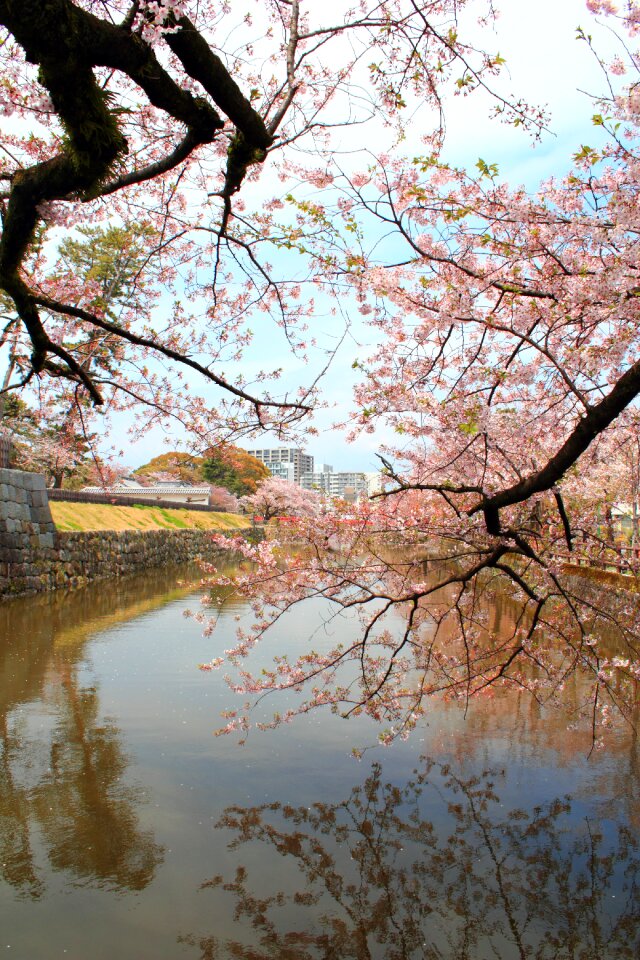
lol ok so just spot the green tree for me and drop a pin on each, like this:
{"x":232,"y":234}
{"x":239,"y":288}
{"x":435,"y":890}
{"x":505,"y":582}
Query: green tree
{"x":108,"y":262}
{"x":221,"y":473}
{"x":234,"y":469}
{"x":104,"y":265}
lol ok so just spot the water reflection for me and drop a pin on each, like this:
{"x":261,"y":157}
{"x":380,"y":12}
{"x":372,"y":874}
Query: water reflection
{"x":63,"y":790}
{"x":111,"y":781}
{"x":65,"y":799}
{"x":438,"y":868}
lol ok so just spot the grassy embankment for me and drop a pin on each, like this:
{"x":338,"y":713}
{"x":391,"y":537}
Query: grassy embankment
{"x":97,"y":516}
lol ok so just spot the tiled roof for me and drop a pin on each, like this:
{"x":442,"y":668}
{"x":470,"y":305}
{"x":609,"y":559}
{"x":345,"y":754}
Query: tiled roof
{"x":126,"y":491}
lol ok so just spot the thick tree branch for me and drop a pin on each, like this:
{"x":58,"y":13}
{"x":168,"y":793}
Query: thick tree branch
{"x":598,"y":418}
{"x":67,"y":43}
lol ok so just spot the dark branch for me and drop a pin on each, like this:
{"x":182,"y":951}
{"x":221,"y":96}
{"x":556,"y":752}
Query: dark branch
{"x":150,"y":344}
{"x":597,"y":419}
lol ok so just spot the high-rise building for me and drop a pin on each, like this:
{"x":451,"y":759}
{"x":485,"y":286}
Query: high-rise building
{"x":317,"y":479}
{"x":375,"y":483}
{"x":347,"y":486}
{"x":275,"y":456}
{"x":282,"y":470}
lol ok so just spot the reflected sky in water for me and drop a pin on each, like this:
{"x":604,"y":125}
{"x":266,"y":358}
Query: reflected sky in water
{"x":127,"y":829}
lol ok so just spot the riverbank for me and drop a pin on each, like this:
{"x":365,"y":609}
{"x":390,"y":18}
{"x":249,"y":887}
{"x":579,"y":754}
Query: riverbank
{"x":92,"y":516}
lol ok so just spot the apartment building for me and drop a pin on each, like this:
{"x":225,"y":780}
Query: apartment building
{"x":275,"y":457}
{"x":347,"y":485}
{"x":282,"y":470}
{"x":375,"y":482}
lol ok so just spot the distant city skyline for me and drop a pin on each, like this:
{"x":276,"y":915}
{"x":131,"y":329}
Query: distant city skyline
{"x":297,"y":466}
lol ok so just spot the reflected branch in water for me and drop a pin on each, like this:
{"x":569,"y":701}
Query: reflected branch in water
{"x":426,"y":624}
{"x":438,"y":868}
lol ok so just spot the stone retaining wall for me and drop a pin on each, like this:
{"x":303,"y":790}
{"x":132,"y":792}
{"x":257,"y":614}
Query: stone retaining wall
{"x":35,"y":557}
{"x":27,"y":533}
{"x":78,"y":558}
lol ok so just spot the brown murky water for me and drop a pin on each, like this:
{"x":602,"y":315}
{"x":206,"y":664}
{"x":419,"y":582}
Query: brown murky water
{"x":128,"y":830}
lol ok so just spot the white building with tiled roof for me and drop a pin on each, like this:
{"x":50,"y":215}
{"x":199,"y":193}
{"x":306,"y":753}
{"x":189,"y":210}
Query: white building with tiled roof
{"x":182,"y":494}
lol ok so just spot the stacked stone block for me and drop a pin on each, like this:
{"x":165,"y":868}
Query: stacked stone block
{"x":79,"y":558}
{"x":27,"y":533}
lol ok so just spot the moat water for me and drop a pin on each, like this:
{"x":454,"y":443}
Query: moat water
{"x":128,"y":830}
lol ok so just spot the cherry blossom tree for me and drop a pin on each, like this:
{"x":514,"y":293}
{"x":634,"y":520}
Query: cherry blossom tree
{"x":508,"y":365}
{"x":221,"y":499}
{"x":277,"y":497}
{"x":603,"y":492}
{"x":507,"y":320}
{"x":141,"y":112}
